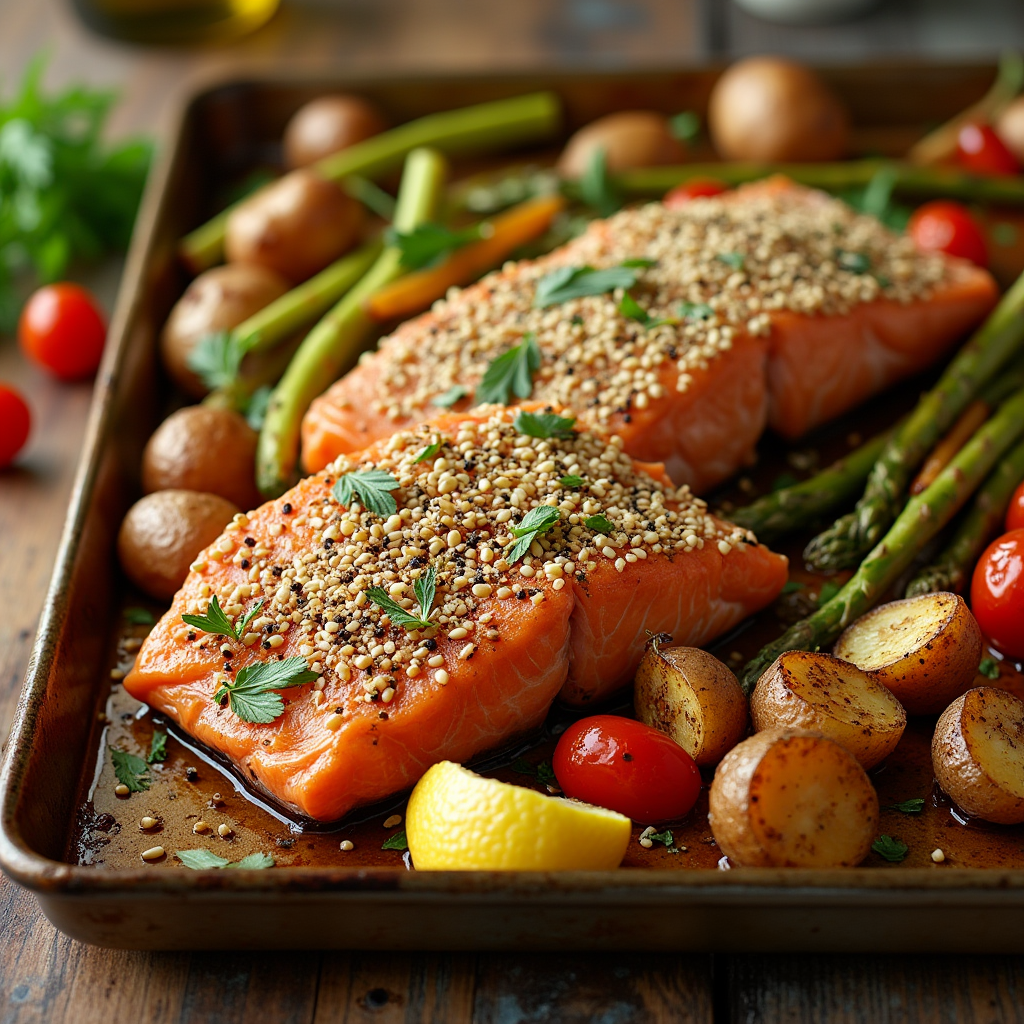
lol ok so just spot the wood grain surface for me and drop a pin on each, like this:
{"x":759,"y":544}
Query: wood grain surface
{"x":47,"y":978}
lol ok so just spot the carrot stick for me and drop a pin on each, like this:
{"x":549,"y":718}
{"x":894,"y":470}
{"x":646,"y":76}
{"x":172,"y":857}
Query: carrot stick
{"x":415,"y":292}
{"x":963,"y":430}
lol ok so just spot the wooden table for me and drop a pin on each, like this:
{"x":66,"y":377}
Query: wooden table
{"x":45,"y":977}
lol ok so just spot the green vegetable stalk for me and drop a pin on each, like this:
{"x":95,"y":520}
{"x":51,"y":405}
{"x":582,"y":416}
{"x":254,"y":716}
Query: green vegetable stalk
{"x":977,"y":363}
{"x":333,"y":344}
{"x":952,"y":569}
{"x":921,"y":520}
{"x":476,"y":129}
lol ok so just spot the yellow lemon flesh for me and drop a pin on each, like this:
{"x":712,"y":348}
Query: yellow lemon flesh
{"x":460,"y":821}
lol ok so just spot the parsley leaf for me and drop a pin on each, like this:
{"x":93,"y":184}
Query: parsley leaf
{"x":243,"y":624}
{"x":396,"y":842}
{"x":567,"y":283}
{"x":215,"y":621}
{"x":257,"y":406}
{"x":791,"y":586}
{"x":632,"y":310}
{"x":254,"y":862}
{"x":915,"y":805}
{"x":829,"y":589}
{"x":448,"y":398}
{"x":216,"y":359}
{"x":891,"y":849}
{"x":423,"y":588}
{"x":695,"y":311}
{"x":200,"y":860}
{"x":731,"y":259}
{"x":372,"y":487}
{"x":537,"y":521}
{"x":511,"y":373}
{"x":596,"y":187}
{"x":853,"y":262}
{"x":157,"y":747}
{"x":542,"y":772}
{"x":428,"y":453}
{"x":989,"y":668}
{"x":253,"y":695}
{"x":685,"y":126}
{"x":544,"y":424}
{"x":665,"y":837}
{"x":139,"y":616}
{"x":599,"y":524}
{"x":571,"y":480}
{"x":428,"y":244}
{"x":130,"y":770}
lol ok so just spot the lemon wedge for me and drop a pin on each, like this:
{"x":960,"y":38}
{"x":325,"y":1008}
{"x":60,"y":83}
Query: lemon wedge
{"x":460,"y":821}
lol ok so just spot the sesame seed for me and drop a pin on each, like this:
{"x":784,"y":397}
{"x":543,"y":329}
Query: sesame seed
{"x":938,"y":856}
{"x":121,"y":789}
{"x":646,"y":843}
{"x":148,"y":822}
{"x":436,"y":661}
{"x":504,"y":592}
{"x":395,"y":819}
{"x":467,"y":652}
{"x":200,"y":828}
{"x":347,"y":845}
{"x":441,"y":676}
{"x":458,"y":633}
{"x":224,"y":830}
{"x":333,"y":722}
{"x":153,"y":853}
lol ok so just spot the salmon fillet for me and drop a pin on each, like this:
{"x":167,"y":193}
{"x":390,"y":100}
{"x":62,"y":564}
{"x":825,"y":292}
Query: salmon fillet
{"x":789,"y":308}
{"x":625,"y":552}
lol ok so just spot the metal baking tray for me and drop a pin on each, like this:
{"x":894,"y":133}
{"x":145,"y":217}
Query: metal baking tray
{"x":222,"y":132}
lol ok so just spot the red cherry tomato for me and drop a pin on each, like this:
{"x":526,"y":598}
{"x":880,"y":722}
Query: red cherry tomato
{"x":15,"y":421}
{"x":1015,"y":512}
{"x":997,"y":593}
{"x":695,"y":188}
{"x":627,"y":767}
{"x":62,"y":330}
{"x":945,"y":226}
{"x":980,"y":150}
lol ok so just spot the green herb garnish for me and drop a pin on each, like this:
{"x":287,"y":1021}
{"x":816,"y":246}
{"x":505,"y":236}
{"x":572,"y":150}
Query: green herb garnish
{"x":572,"y":480}
{"x":423,"y":588}
{"x":511,"y":373}
{"x":372,"y":487}
{"x":428,"y":244}
{"x":853,"y":262}
{"x":989,"y":668}
{"x":130,"y":770}
{"x":257,"y":405}
{"x":632,"y":310}
{"x":448,"y":398}
{"x":157,"y":747}
{"x":542,"y":772}
{"x":792,"y":586}
{"x":544,"y":424}
{"x":139,"y":616}
{"x":599,"y":524}
{"x":200,"y":860}
{"x":731,"y":259}
{"x":695,"y":311}
{"x":537,"y":521}
{"x":596,"y":187}
{"x":428,"y":453}
{"x":784,"y":480}
{"x":662,"y":837}
{"x":915,"y":805}
{"x":216,"y":359}
{"x":218,"y":624}
{"x":567,"y":283}
{"x":253,"y":695}
{"x":891,"y":849}
{"x":829,"y":589}
{"x":396,"y":842}
{"x":685,"y":126}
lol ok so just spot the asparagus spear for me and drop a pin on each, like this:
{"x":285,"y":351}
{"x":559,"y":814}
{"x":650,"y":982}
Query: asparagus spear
{"x":924,"y":516}
{"x":993,"y":344}
{"x":952,"y":568}
{"x":907,"y":179}
{"x":333,"y":344}
{"x":791,"y":508}
{"x":479,"y":128}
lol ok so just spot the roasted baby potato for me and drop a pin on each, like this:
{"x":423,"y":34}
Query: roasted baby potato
{"x":328,"y":125}
{"x":162,"y":534}
{"x":802,"y":690}
{"x":978,"y":754}
{"x":693,"y":697}
{"x":924,"y":649}
{"x":200,"y":448}
{"x":632,"y":138}
{"x":792,"y":798}
{"x":295,"y":226}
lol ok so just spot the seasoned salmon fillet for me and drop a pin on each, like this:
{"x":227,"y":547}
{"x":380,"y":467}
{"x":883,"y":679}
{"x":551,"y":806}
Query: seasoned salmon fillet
{"x":517,"y":616}
{"x":783,"y":306}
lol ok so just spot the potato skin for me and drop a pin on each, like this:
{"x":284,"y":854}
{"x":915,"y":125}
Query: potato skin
{"x":690,"y":695}
{"x":295,"y":226}
{"x":870,"y":734}
{"x":923,"y":678}
{"x":201,"y":448}
{"x":631,"y":138}
{"x":768,"y":109}
{"x":217,"y":300}
{"x":959,"y":759}
{"x":162,"y":534}
{"x":752,"y":776}
{"x":328,"y":125}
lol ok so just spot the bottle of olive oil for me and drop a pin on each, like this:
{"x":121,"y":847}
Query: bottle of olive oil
{"x":175,"y":21}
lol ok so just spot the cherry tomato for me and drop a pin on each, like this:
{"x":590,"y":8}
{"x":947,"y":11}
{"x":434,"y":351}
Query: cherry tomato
{"x":627,"y":767}
{"x":997,"y":593}
{"x":62,"y":330}
{"x":1015,"y":512}
{"x":945,"y":226}
{"x":695,"y":188}
{"x":980,"y":150}
{"x":15,"y":421}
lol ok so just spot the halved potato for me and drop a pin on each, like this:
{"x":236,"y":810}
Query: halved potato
{"x":792,"y":798}
{"x":924,"y":649}
{"x":978,"y":754}
{"x":802,"y":690}
{"x":693,"y":697}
